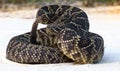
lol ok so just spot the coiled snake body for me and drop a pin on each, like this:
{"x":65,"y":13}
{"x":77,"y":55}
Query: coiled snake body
{"x":65,"y":39}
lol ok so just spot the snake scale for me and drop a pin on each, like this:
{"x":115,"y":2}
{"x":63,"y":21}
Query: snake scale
{"x":65,"y":39}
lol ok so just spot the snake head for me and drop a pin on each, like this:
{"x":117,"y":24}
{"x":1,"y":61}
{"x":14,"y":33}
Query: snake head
{"x":46,"y":18}
{"x":42,"y":19}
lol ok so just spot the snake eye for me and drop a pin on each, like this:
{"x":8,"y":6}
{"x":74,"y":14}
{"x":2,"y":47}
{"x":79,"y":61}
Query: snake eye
{"x":44,"y":19}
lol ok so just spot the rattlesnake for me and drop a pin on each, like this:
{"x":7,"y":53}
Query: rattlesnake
{"x":65,"y":39}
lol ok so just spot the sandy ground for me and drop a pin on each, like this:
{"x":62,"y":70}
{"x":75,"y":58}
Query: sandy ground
{"x":102,"y":22}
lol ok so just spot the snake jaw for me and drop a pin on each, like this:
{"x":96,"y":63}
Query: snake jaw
{"x":43,"y":19}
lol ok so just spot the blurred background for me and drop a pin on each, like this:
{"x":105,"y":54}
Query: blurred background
{"x":6,"y":5}
{"x":28,"y":8}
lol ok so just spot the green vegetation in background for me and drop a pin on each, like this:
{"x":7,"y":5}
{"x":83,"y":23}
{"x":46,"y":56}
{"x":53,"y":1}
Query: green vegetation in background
{"x":74,"y":0}
{"x":34,"y":1}
{"x":23,"y":1}
{"x":107,"y":0}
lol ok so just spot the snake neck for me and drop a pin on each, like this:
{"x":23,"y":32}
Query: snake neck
{"x":33,"y":33}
